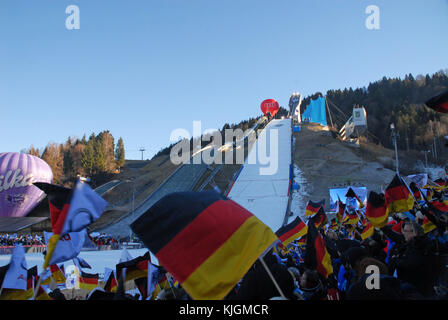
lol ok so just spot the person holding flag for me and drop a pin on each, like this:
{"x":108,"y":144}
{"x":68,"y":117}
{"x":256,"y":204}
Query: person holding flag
{"x":414,"y":257}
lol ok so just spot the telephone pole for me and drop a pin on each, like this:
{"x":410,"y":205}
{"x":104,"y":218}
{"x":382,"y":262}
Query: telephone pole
{"x":142,"y":150}
{"x":394,"y":138}
{"x":407,"y":139}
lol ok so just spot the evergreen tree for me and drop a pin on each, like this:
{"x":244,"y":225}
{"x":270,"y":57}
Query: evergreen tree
{"x":107,"y":146}
{"x":68,"y":164}
{"x":100,"y":161}
{"x":119,"y":153}
{"x":88,"y":156}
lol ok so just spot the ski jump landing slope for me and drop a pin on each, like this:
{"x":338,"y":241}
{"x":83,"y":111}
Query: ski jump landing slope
{"x":266,"y":195}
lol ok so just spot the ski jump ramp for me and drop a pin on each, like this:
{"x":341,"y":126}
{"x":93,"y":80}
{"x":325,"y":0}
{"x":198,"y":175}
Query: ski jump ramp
{"x":260,"y":188}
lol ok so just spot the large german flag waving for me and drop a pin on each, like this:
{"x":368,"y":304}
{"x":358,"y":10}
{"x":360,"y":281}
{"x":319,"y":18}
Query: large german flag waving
{"x":206,"y":241}
{"x":439,"y":103}
{"x":398,"y":197}
{"x":292,"y":231}
{"x":317,"y":256}
{"x":377,"y":211}
{"x":312,"y":208}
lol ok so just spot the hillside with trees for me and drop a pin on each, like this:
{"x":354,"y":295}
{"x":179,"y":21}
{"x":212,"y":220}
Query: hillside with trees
{"x":398,"y":101}
{"x":96,"y":155}
{"x":204,"y":140}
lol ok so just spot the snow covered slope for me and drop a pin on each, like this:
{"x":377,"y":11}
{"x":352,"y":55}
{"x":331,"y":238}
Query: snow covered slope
{"x":262,"y":186}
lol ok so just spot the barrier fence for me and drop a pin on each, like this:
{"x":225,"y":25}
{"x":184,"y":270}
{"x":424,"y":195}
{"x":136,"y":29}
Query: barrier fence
{"x":4,"y":250}
{"x":28,"y":249}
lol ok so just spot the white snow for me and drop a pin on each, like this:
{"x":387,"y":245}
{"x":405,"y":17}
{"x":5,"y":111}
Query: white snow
{"x":298,"y":202}
{"x":266,"y":195}
{"x":98,"y":260}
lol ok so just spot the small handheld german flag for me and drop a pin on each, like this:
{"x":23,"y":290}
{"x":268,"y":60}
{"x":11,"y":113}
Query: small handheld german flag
{"x":351,"y":194}
{"x":377,"y":211}
{"x":312,"y":208}
{"x":135,"y":268}
{"x":111,"y":283}
{"x":341,"y":211}
{"x":368,"y":231}
{"x":88,"y":281}
{"x":350,"y":218}
{"x":320,"y":219}
{"x":334,"y":225}
{"x":427,"y":225}
{"x":292,"y":231}
{"x":398,"y":197}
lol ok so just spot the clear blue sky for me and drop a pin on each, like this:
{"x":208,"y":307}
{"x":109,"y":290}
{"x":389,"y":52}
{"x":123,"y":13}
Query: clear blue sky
{"x":144,"y":68}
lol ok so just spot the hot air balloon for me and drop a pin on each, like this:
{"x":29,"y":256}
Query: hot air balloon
{"x":439,"y":103}
{"x":18,"y":171}
{"x":269,"y":106}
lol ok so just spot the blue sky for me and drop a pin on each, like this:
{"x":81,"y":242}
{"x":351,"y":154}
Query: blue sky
{"x":144,"y":68}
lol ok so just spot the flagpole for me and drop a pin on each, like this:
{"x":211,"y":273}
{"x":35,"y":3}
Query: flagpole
{"x":271,"y":276}
{"x":415,"y":200}
{"x":38,"y":284}
{"x":171,"y":288}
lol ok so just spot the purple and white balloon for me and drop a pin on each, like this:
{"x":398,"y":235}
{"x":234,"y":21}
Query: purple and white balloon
{"x":18,"y":172}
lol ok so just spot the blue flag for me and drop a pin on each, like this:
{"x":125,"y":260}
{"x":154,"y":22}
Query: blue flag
{"x":16,"y":276}
{"x":68,"y":246}
{"x":86,"y":206}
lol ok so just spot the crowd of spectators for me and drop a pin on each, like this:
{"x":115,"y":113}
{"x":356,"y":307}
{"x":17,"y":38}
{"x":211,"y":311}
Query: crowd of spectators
{"x":102,"y":239}
{"x":11,"y":239}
